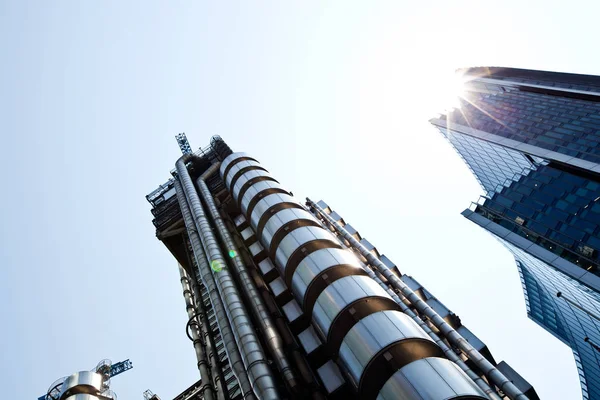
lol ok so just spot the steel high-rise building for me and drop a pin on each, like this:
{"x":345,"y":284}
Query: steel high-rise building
{"x":532,"y":140}
{"x":287,"y":300}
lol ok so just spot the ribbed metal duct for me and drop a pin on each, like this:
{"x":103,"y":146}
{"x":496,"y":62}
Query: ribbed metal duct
{"x":253,"y":357}
{"x":84,"y":383}
{"x":449,"y":333}
{"x":205,"y":274}
{"x":357,"y":319}
{"x":402,"y":303}
{"x":408,"y":384}
{"x":253,"y":299}
{"x":449,"y":352}
{"x":209,"y":344}
{"x":83,"y":396}
{"x":207,"y":389}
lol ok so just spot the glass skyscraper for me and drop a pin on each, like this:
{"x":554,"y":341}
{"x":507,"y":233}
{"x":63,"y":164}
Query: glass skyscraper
{"x":532,"y":140}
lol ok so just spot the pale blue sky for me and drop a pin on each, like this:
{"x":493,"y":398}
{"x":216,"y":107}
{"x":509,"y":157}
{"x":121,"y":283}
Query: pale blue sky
{"x":332,"y":97}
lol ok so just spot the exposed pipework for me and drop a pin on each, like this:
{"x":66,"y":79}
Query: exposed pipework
{"x":306,"y":379}
{"x":253,"y":357}
{"x":207,"y":389}
{"x":205,"y":274}
{"x":381,"y":349}
{"x":204,"y":326}
{"x":252,"y":297}
{"x":450,"y":334}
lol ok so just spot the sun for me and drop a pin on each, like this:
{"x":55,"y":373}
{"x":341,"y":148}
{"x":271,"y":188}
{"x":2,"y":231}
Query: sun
{"x":451,"y":90}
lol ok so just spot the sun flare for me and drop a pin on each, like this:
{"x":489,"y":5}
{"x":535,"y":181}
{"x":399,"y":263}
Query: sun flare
{"x":451,"y":91}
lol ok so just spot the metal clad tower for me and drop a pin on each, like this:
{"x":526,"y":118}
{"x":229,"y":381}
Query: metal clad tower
{"x":532,"y":140}
{"x":88,"y":385}
{"x":286,"y":300}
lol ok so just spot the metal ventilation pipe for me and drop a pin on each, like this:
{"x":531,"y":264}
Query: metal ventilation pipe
{"x":206,"y":389}
{"x":384,"y":353}
{"x":215,"y":370}
{"x":253,"y":357}
{"x":205,"y":274}
{"x":252,"y":297}
{"x":452,"y":335}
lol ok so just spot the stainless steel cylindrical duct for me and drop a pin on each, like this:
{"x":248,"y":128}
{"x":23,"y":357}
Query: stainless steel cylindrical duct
{"x":253,"y":357}
{"x":251,"y":295}
{"x":83,"y":384}
{"x":449,"y":333}
{"x":84,"y":396}
{"x":360,"y":324}
{"x":452,"y":356}
{"x":407,"y":383}
{"x":209,"y":344}
{"x":449,"y":352}
{"x":207,"y":389}
{"x":204,"y":272}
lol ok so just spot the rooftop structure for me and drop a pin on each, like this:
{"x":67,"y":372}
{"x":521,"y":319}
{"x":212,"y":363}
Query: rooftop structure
{"x":88,"y":385}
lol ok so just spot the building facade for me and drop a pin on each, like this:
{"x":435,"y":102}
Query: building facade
{"x":532,"y":140}
{"x":287,"y":300}
{"x":88,"y":385}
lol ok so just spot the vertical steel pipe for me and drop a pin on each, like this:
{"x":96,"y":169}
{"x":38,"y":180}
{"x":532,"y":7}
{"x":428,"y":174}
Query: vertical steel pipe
{"x":206,"y":388}
{"x":450,"y":333}
{"x":251,"y":295}
{"x":209,"y":344}
{"x":253,"y":357}
{"x":204,"y":272}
